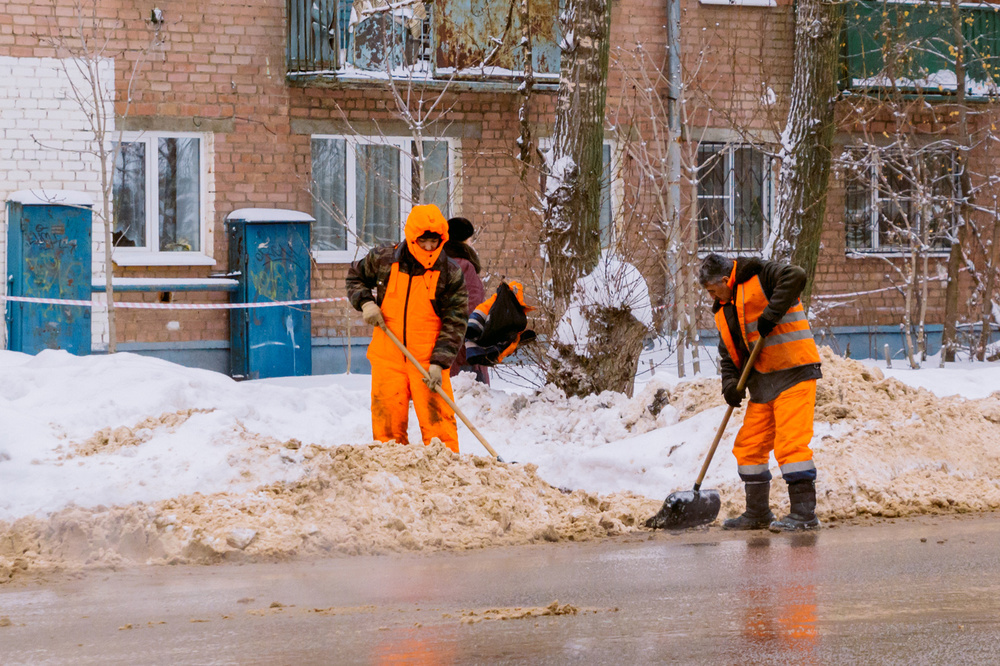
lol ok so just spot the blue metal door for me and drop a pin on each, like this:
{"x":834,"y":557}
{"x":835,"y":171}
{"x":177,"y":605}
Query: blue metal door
{"x":273,"y":259}
{"x":48,"y":256}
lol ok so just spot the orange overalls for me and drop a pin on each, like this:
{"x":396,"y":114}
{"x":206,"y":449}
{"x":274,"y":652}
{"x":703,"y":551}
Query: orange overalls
{"x":785,"y":424}
{"x":409,"y":313}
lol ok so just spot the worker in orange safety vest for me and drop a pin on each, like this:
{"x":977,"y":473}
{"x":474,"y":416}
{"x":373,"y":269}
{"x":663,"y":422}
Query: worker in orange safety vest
{"x":754,"y":299}
{"x":418,"y":294}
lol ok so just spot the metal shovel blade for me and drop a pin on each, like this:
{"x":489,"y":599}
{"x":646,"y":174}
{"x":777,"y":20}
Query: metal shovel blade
{"x":687,"y":508}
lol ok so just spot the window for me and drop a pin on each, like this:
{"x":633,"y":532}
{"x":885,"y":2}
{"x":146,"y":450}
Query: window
{"x":897,"y":200}
{"x":364,"y":187}
{"x":610,"y":186}
{"x":735,"y":195}
{"x":911,"y":47}
{"x":159,"y":199}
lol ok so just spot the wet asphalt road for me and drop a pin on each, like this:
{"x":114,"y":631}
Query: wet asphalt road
{"x":923,"y":591}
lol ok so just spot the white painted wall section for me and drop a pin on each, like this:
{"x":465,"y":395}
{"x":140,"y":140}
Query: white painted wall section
{"x":47,"y":142}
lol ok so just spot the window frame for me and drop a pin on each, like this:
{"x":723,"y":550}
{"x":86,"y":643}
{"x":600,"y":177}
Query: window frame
{"x":354,"y":249}
{"x":150,"y":254}
{"x":770,"y":199}
{"x":875,"y":207}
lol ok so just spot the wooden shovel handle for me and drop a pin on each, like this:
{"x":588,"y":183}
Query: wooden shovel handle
{"x":440,"y":391}
{"x":729,"y":412}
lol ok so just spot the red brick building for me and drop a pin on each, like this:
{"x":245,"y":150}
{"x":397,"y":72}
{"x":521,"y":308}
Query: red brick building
{"x":285,"y":105}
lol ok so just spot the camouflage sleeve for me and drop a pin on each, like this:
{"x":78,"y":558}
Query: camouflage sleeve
{"x":452,"y":306}
{"x":368,"y":273}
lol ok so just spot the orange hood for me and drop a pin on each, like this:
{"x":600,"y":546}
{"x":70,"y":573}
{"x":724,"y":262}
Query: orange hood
{"x":420,"y":220}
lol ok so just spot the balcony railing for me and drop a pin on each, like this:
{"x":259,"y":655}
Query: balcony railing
{"x":912,"y":46}
{"x":469,"y":40}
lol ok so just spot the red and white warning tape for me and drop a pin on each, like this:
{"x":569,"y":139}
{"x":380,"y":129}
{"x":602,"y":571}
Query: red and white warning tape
{"x":167,"y":306}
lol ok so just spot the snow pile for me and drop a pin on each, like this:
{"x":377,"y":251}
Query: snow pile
{"x":612,"y":285}
{"x":125,"y":459}
{"x":348,"y":500}
{"x":893,"y":450}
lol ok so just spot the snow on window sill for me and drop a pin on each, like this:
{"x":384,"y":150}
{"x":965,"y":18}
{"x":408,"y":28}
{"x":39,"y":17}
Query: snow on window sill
{"x":122,"y":258}
{"x":741,"y":3}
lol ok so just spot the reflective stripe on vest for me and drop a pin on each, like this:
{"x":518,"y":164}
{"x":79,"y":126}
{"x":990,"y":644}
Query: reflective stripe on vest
{"x":789,"y":345}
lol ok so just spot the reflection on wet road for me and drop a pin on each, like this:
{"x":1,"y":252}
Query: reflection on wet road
{"x":910,"y":592}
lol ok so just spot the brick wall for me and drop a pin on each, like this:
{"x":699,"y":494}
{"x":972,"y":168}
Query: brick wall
{"x":219,"y":68}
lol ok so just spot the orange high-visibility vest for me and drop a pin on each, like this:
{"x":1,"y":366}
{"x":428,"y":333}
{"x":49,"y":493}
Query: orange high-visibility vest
{"x":789,"y":345}
{"x":408,"y":310}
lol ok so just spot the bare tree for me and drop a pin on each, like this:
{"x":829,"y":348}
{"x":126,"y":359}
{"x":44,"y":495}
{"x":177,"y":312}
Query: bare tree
{"x":88,"y":43}
{"x":806,"y":141}
{"x":919,"y":133}
{"x":572,"y":207}
{"x":597,"y":342}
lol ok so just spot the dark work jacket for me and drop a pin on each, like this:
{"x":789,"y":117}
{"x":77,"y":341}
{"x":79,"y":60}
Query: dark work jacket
{"x":782,"y":284}
{"x":368,"y":277}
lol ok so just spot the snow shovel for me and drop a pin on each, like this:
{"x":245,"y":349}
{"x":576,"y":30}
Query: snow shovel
{"x":691,"y":508}
{"x":440,"y":391}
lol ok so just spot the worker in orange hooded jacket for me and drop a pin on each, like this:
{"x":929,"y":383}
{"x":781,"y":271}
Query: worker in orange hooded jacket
{"x":418,"y":294}
{"x":760,"y":299}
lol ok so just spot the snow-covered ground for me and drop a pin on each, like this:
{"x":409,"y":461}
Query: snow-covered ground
{"x":182,"y":431}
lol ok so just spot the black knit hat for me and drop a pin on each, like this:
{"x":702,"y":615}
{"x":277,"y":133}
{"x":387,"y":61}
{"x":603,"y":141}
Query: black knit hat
{"x":460,"y":229}
{"x":714,"y":268}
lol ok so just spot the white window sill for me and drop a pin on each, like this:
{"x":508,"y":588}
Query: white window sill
{"x":731,"y":254}
{"x":894,"y":254}
{"x":162,"y":259}
{"x":337,"y":257}
{"x":741,"y":3}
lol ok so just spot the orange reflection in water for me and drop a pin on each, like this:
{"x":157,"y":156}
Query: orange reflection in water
{"x":414,"y":646}
{"x":780,"y":616}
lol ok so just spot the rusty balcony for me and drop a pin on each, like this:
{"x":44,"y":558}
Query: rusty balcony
{"x":466,"y":44}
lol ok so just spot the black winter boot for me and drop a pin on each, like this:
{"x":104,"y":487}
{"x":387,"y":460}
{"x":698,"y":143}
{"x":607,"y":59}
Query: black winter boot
{"x":758,"y":514}
{"x":802,"y":496}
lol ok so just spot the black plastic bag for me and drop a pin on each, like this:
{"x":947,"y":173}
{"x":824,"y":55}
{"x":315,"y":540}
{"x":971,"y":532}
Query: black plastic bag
{"x":505,"y":320}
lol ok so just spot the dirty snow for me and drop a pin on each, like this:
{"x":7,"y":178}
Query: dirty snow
{"x":126,"y":459}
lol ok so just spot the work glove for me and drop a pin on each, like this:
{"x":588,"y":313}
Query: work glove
{"x":433,"y":378}
{"x":734,"y":397}
{"x":372,"y":314}
{"x":765,"y":326}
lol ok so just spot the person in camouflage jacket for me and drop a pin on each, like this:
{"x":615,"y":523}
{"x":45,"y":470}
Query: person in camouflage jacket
{"x":417,"y":293}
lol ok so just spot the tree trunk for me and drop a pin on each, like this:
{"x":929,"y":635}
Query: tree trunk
{"x":617,"y":335}
{"x":609,"y":356}
{"x":571,"y":230}
{"x":807,"y":139}
{"x":986,"y":310}
{"x":948,"y":335}
{"x":524,"y":141}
